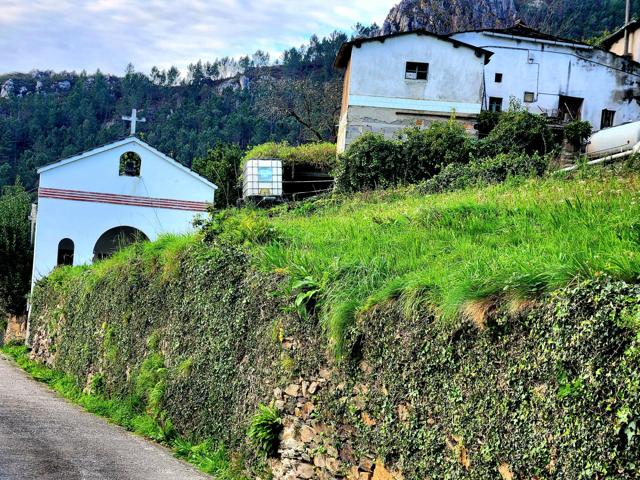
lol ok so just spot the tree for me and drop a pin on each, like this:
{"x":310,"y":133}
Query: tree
{"x":313,"y":104}
{"x":221,"y":165}
{"x":15,"y":249}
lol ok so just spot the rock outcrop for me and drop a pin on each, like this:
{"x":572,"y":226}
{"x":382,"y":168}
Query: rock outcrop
{"x":446,"y":16}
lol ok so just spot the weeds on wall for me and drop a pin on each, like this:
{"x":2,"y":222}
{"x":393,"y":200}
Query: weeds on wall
{"x":264,"y":430}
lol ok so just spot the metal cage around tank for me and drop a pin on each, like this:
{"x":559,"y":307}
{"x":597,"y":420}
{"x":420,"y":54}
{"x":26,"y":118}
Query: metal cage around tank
{"x":262,"y":178}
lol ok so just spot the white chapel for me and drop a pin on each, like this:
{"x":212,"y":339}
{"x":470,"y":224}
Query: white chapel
{"x":92,"y":203}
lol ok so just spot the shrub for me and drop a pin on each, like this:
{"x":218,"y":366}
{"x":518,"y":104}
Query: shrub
{"x":372,"y":161}
{"x":427,"y":151}
{"x":577,"y":132}
{"x":486,"y":171}
{"x":487,"y":121}
{"x":264,"y":430}
{"x":518,"y":131}
{"x":418,"y":154}
{"x":317,"y":155}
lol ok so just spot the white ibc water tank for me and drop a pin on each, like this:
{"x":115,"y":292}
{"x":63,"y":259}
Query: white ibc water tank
{"x":614,"y":140}
{"x":262,"y":178}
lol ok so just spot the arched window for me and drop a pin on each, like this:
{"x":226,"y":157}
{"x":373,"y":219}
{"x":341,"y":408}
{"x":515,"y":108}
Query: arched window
{"x":130,"y":163}
{"x":65,"y":252}
{"x":115,"y":239}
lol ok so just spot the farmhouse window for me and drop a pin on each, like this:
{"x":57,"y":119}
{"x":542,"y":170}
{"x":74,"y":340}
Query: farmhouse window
{"x":529,"y":97}
{"x":416,"y":71}
{"x":498,"y":78}
{"x":495,"y":104}
{"x":606,"y":120}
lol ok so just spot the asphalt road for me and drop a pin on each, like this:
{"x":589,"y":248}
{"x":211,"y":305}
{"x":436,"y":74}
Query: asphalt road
{"x":43,"y":437}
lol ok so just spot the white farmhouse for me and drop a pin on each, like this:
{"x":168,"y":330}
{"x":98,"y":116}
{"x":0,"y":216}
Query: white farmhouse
{"x":560,"y":78}
{"x":90,"y":204}
{"x":408,"y":78}
{"x":413,"y":78}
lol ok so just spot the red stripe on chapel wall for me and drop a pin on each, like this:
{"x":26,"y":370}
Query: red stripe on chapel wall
{"x":130,"y":200}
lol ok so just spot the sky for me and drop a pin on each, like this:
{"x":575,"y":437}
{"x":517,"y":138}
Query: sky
{"x":108,"y":34}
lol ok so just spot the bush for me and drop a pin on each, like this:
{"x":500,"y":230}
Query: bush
{"x":577,"y":132}
{"x":427,"y":151}
{"x":239,"y":227}
{"x":316,"y":155}
{"x":372,"y":161}
{"x":265,"y":429}
{"x":486,"y":171}
{"x":518,"y":131}
{"x":487,"y":121}
{"x":418,"y":154}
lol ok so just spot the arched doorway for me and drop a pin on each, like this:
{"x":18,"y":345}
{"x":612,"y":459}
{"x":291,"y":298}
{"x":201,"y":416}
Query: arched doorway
{"x":65,"y":252}
{"x":115,"y":239}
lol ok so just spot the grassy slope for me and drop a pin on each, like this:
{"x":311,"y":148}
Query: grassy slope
{"x":509,"y":242}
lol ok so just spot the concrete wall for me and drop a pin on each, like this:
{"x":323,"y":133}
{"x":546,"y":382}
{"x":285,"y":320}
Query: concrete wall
{"x":379,"y":98}
{"x":85,"y":221}
{"x":602,"y":79}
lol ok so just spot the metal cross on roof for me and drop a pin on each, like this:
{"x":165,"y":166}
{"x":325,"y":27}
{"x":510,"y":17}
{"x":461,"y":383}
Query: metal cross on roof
{"x":133,"y":119}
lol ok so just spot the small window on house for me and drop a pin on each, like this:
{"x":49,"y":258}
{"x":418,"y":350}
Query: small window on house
{"x":498,"y":78}
{"x":529,"y":97}
{"x":416,"y":71}
{"x":495,"y":104}
{"x":130,"y":163}
{"x":606,"y":120}
{"x":65,"y":252}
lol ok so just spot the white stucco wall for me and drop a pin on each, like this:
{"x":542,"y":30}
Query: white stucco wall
{"x":84,"y":222}
{"x":552,"y":70}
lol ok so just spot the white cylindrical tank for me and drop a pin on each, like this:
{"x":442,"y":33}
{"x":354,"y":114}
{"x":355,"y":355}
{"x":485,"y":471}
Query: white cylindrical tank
{"x":262,"y":178}
{"x":614,"y":140}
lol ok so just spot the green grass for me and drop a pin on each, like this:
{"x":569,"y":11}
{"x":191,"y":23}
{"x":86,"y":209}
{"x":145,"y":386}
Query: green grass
{"x":513,"y":241}
{"x":208,"y":456}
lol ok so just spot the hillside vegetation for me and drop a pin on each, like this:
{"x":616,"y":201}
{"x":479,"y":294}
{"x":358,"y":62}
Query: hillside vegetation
{"x":490,"y":328}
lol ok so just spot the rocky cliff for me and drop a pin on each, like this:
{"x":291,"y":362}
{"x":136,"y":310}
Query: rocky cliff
{"x":445,"y":16}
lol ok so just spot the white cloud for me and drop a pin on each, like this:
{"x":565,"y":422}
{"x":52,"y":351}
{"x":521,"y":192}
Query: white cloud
{"x":108,"y":34}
